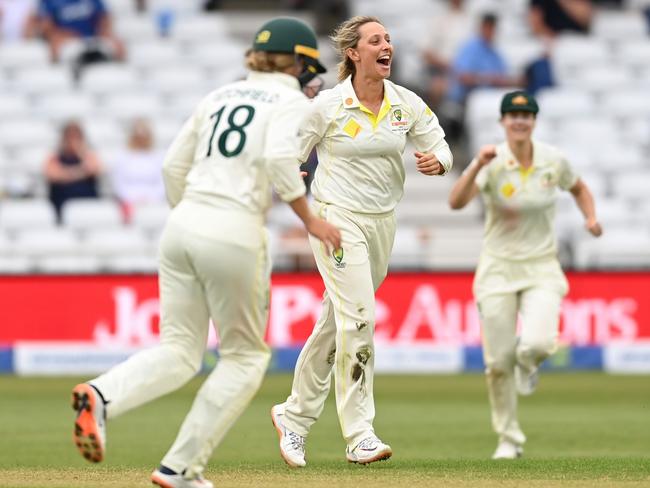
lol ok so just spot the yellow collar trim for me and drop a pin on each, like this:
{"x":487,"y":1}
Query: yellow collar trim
{"x":375,"y":119}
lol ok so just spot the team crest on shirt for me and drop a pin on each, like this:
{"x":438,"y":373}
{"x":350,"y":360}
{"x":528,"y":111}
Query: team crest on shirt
{"x":338,"y":258}
{"x":548,"y":179}
{"x":399,"y":123}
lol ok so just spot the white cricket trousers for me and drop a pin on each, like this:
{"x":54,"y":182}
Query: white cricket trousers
{"x":213,"y":264}
{"x":343,"y":335}
{"x":504,"y":290}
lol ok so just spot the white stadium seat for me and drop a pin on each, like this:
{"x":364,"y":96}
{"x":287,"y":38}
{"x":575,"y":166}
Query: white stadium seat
{"x":634,"y":52}
{"x":136,"y":29}
{"x":109,"y":78}
{"x":68,"y":265}
{"x":132,"y":264}
{"x":619,"y":25}
{"x":24,"y":54}
{"x":116,"y":242}
{"x":154,"y":54}
{"x":150,"y":217}
{"x":13,"y":105}
{"x":627,"y":103}
{"x":453,"y":252}
{"x":408,"y":248}
{"x":560,"y":104}
{"x":632,"y":185}
{"x":39,"y":80}
{"x":30,"y":160}
{"x":617,"y":248}
{"x":6,"y":244}
{"x":62,"y":107}
{"x":25,"y":214}
{"x":20,"y":133}
{"x":105,"y":132}
{"x":426,"y":188}
{"x":126,"y":107}
{"x":437,"y":212}
{"x":47,"y":242}
{"x":601,"y":79}
{"x":15,"y":265}
{"x":622,"y":158}
{"x":520,"y":53}
{"x":90,"y":213}
{"x":174,"y":79}
{"x":211,"y":28}
{"x":573,"y":51}
{"x":483,"y":106}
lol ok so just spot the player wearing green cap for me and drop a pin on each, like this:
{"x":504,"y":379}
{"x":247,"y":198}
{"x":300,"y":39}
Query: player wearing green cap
{"x":518,"y":272}
{"x":213,"y":254}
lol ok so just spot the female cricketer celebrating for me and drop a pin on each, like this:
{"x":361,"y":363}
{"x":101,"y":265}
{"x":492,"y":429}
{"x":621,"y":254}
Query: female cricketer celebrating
{"x":359,"y":129}
{"x":213,"y":254}
{"x":518,"y":272}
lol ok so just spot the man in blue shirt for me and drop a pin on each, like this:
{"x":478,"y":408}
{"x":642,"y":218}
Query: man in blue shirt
{"x":479,"y":64}
{"x":63,"y":20}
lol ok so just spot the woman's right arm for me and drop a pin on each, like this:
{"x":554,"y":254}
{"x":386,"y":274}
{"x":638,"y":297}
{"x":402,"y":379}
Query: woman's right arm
{"x":465,"y":187}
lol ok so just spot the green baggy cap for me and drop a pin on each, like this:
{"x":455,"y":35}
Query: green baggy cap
{"x":518,"y":101}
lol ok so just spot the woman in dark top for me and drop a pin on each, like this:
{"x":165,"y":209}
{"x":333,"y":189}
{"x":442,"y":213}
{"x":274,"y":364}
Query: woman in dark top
{"x":73,"y":169}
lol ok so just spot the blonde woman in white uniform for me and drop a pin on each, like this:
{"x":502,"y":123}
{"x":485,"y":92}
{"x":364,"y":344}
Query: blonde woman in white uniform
{"x":213,"y":254}
{"x":360,"y":129}
{"x":518,"y":272}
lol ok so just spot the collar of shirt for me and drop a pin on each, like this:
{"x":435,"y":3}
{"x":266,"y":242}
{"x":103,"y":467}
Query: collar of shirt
{"x":511,"y":163}
{"x":351,"y":101}
{"x":285,"y":79}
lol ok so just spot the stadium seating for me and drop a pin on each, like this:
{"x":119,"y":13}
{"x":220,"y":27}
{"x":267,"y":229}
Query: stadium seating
{"x":602,"y":95}
{"x":85,"y":214}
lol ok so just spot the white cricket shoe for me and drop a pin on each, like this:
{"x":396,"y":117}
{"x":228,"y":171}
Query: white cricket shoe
{"x":526,"y":380}
{"x":369,"y":450}
{"x":508,"y":450}
{"x":177,"y":480}
{"x":292,"y":444}
{"x":90,"y":424}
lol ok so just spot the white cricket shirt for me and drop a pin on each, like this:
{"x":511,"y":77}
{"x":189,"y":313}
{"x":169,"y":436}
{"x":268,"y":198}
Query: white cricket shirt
{"x":240,"y":138}
{"x":360,"y":166}
{"x":520,"y":203}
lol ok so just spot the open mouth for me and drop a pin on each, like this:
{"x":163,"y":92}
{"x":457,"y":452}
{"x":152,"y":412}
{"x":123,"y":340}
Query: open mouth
{"x":384,"y":60}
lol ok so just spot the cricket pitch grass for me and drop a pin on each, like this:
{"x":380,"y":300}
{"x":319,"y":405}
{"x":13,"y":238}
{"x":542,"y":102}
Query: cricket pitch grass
{"x":584,"y":430}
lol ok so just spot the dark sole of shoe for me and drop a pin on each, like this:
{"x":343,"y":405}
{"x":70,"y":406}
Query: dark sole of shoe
{"x":85,"y":436}
{"x":277,"y":429}
{"x":384,"y":456}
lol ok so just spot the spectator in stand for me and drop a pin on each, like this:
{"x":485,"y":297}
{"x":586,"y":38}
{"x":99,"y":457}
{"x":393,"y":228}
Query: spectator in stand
{"x":17,"y":20}
{"x":447,"y":31}
{"x":85,"y":20}
{"x":136,"y":173}
{"x":478,"y":64}
{"x":549,"y":17}
{"x":73,"y":169}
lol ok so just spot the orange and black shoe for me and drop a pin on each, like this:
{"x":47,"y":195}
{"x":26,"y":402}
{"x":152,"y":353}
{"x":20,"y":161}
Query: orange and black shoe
{"x":90,"y":425}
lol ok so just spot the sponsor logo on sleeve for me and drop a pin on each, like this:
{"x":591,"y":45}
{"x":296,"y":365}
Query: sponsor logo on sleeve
{"x":399,"y":122}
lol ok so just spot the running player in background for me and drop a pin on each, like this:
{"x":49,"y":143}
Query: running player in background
{"x":213,"y":254}
{"x":359,"y":129}
{"x":518,"y":272}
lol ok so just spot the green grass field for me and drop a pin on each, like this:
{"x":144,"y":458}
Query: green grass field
{"x":583,"y":430}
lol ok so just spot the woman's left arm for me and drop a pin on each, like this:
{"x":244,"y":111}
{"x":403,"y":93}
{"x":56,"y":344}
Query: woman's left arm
{"x":585,"y":202}
{"x":433,"y":156}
